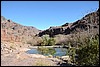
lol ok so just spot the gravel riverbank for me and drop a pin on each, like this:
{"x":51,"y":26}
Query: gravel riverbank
{"x":17,"y":56}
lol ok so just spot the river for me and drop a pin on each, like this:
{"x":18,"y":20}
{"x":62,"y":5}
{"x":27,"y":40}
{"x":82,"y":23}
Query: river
{"x":59,"y":50}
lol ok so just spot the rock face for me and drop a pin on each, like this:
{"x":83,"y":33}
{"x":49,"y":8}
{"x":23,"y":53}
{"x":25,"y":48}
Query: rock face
{"x":88,"y":23}
{"x":11,"y":31}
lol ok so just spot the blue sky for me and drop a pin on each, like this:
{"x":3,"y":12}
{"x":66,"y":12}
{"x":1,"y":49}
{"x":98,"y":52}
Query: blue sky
{"x":43,"y":14}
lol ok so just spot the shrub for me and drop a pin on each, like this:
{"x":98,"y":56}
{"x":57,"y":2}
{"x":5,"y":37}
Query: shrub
{"x":46,"y":51}
{"x":87,"y":53}
{"x":47,"y":41}
{"x":51,"y":42}
{"x":72,"y":53}
{"x":34,"y":41}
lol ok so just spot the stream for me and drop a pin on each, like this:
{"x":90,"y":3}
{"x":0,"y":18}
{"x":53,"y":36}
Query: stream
{"x":56,"y":51}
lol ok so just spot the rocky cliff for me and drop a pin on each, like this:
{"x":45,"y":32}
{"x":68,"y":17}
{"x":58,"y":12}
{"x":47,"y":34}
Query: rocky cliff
{"x":88,"y":23}
{"x":13,"y":32}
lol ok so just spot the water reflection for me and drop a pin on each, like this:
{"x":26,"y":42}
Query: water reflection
{"x":48,"y":51}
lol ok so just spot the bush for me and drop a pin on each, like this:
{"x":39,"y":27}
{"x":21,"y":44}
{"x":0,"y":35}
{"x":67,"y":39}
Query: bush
{"x":51,"y":42}
{"x":46,"y":51}
{"x":47,"y":41}
{"x":87,"y":52}
{"x":72,"y":53}
{"x":34,"y":41}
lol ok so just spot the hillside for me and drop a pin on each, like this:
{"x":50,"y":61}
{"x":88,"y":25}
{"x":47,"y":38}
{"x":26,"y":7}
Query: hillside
{"x":88,"y":23}
{"x":14,"y":32}
{"x":87,"y":26}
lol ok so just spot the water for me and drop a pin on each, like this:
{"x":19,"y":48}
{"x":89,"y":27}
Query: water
{"x":59,"y":51}
{"x":33,"y":51}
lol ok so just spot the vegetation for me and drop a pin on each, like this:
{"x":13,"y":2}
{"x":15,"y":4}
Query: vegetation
{"x":71,"y":51}
{"x":34,"y":41}
{"x":46,"y":51}
{"x":47,"y":41}
{"x":87,"y":52}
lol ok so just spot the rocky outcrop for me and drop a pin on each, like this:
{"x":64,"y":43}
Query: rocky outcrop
{"x":11,"y":31}
{"x":88,"y":23}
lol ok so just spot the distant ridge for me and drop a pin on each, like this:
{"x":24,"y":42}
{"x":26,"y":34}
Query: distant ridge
{"x":87,"y":23}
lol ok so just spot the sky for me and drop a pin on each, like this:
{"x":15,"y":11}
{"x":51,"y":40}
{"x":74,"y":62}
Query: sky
{"x":43,"y":14}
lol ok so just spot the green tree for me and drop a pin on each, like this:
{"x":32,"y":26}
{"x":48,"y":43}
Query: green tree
{"x":51,"y":41}
{"x":47,"y":41}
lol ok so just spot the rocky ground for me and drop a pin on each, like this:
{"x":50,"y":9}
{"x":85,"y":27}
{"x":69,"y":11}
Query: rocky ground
{"x":23,"y":59}
{"x":18,"y":57}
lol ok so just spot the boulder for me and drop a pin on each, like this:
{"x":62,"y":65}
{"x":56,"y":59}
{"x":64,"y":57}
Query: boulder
{"x":66,"y":58}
